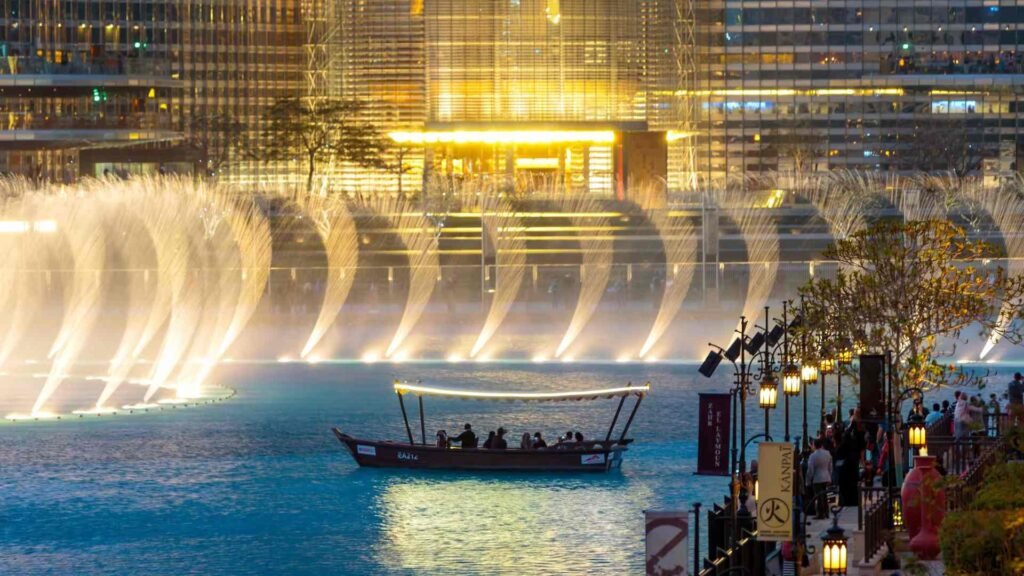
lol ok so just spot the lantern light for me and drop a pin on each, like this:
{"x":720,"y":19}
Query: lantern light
{"x":768,"y":393}
{"x":827,"y":366}
{"x":897,"y":515}
{"x":809,"y":373}
{"x":845,"y":354}
{"x":917,"y":433}
{"x":791,"y":380}
{"x":833,"y":554}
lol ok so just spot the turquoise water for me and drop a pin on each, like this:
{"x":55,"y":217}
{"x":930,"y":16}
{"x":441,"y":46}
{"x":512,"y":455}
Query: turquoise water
{"x":258,"y":485}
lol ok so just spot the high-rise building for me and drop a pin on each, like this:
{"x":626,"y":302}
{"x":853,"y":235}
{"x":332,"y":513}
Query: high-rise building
{"x":874,"y":85}
{"x":582,"y":91}
{"x":87,"y":86}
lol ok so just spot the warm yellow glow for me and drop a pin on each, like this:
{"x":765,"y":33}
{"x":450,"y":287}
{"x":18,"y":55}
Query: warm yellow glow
{"x":674,"y":135}
{"x":917,"y":435}
{"x":536,"y":163}
{"x":554,"y":11}
{"x":827,"y":366}
{"x":768,"y":394}
{"x":40,"y":415}
{"x":791,"y":383}
{"x":923,"y":451}
{"x":897,"y":515}
{"x":834,"y":558}
{"x":809,"y":373}
{"x":776,"y":199}
{"x":23,"y":226}
{"x":504,"y":137}
{"x":403,"y":388}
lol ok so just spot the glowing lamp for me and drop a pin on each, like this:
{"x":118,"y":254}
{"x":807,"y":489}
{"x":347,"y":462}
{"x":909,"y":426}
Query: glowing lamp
{"x":768,"y":393}
{"x":833,"y":550}
{"x":827,"y":366}
{"x":897,"y":515}
{"x":845,"y":355}
{"x":917,"y":434}
{"x":791,"y":380}
{"x":809,"y":373}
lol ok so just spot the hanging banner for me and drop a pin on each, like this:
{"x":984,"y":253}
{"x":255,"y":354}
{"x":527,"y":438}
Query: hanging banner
{"x":713,"y":435}
{"x":775,"y":491}
{"x":666,"y":537}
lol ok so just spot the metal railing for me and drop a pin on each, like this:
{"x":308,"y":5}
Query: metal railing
{"x":874,"y":517}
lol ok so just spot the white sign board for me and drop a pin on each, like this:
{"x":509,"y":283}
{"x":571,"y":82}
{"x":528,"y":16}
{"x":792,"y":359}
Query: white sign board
{"x":667,"y":543}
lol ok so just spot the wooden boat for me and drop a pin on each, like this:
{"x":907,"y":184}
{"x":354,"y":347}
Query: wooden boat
{"x":589,"y":456}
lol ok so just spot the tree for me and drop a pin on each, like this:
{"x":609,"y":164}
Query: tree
{"x":902,"y":287}
{"x":398,"y":164}
{"x":941,"y":145}
{"x":219,"y":138}
{"x":319,"y":130}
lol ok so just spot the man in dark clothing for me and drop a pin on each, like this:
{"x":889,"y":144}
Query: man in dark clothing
{"x":499,"y":441}
{"x":1016,"y":390}
{"x":467,"y":439}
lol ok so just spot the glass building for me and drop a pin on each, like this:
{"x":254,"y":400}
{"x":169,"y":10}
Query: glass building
{"x":875,"y":85}
{"x":522,"y":90}
{"x":86,"y":86}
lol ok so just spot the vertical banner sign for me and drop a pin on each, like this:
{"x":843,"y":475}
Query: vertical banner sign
{"x":775,"y":491}
{"x":713,"y":435}
{"x":667,"y":537}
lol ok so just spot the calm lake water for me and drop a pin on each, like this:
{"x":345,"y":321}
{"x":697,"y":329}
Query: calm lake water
{"x":258,"y":485}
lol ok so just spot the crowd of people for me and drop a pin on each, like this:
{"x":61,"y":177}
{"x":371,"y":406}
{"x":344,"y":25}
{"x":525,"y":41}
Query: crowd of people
{"x":853,"y":452}
{"x":496,"y":440}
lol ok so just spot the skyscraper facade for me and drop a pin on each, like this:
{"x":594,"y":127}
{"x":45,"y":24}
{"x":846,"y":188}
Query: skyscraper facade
{"x":875,"y":85}
{"x":520,"y":90}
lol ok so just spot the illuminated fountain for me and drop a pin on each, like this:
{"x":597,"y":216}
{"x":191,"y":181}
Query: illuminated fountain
{"x":753,"y":214}
{"x":418,"y":236}
{"x":1004,"y":207}
{"x":505,"y":231}
{"x":84,"y":231}
{"x":337,"y":231}
{"x":679,"y":238}
{"x":596,"y":245}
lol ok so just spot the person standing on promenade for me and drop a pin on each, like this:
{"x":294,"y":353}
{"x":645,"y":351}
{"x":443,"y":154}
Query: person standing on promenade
{"x":819,"y":476}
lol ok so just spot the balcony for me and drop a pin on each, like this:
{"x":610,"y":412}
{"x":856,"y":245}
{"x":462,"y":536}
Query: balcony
{"x":27,"y":130}
{"x":114,"y":71}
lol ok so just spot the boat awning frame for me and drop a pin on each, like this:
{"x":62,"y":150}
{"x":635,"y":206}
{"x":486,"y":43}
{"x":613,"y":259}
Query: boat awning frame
{"x":621,"y":392}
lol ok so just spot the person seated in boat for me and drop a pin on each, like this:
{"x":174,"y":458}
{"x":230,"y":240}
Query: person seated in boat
{"x":442,"y":439}
{"x":566,"y":438}
{"x":538,"y":441}
{"x":526,"y":443}
{"x":499,"y":440}
{"x":489,"y":443}
{"x":578,"y":438}
{"x":467,"y":439}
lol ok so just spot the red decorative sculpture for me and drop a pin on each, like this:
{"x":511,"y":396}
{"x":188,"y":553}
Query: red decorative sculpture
{"x":924,"y":507}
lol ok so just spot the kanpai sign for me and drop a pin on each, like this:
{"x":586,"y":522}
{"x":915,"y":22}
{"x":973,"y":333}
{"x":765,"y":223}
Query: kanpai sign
{"x":775,"y":491}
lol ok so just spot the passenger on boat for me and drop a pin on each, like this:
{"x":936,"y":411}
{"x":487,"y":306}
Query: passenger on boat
{"x":566,"y":438}
{"x":499,"y":441}
{"x":467,"y":439}
{"x":442,"y":439}
{"x":489,"y":443}
{"x":526,"y":443}
{"x":538,"y":441}
{"x":579,"y":438}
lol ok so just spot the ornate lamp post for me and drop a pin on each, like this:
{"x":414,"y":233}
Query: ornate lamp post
{"x":767,"y":398}
{"x":833,"y":553}
{"x":826,"y":366}
{"x":917,"y":434}
{"x":790,"y":388}
{"x":844,"y":357}
{"x":808,"y":375}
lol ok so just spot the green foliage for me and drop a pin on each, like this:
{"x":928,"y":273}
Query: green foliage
{"x":988,"y":538}
{"x":900,"y":287}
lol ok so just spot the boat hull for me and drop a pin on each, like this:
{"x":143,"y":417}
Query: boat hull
{"x":376,"y":454}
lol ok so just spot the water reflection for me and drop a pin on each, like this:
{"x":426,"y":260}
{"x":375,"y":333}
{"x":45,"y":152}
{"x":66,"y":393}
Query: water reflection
{"x":522,"y":524}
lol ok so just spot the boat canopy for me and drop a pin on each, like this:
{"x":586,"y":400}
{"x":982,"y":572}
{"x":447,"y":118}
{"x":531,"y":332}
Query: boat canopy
{"x":621,"y":392}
